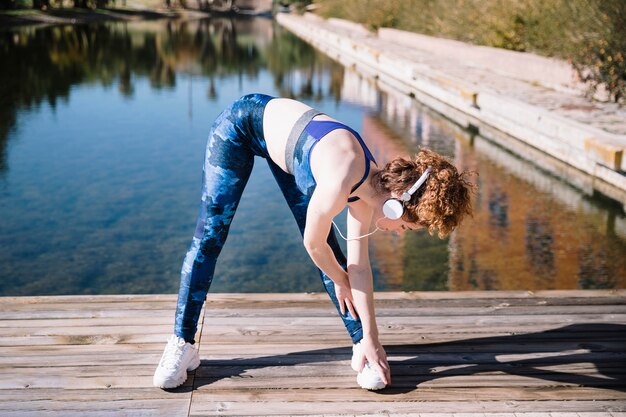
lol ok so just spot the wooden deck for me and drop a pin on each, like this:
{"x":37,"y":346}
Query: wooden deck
{"x":553,"y":354}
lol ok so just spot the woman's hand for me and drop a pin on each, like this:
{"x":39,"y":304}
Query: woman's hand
{"x":344,"y":296}
{"x":374,"y":353}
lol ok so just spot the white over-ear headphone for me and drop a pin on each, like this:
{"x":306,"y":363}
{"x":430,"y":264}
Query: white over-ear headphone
{"x":393,"y":209}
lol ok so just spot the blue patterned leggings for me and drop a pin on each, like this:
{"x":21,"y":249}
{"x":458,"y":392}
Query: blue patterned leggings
{"x":236,"y":137}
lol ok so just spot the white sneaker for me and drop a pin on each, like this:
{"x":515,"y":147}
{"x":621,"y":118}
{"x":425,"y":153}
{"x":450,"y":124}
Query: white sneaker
{"x":178,"y":358}
{"x":368,"y":378}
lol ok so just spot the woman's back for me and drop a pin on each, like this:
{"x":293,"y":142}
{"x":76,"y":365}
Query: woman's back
{"x":279,"y":119}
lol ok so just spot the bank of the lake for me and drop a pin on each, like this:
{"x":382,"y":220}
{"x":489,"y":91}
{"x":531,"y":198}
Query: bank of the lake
{"x":483,"y":88}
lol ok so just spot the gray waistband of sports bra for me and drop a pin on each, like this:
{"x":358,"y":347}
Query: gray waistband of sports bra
{"x":297,"y":130}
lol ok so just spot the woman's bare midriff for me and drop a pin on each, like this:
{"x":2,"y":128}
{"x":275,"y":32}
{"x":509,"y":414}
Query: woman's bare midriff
{"x":280,"y":115}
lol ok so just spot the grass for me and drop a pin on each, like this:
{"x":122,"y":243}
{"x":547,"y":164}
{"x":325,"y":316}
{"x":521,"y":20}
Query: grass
{"x":591,"y":34}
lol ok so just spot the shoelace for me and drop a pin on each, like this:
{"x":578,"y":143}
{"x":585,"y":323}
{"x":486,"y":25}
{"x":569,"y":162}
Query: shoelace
{"x":173,"y":353}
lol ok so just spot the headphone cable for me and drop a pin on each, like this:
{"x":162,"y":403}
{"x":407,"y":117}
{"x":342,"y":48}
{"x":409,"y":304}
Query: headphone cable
{"x":359,"y":237}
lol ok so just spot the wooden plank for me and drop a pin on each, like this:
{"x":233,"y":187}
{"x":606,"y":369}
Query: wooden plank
{"x":82,"y":299}
{"x":481,"y":382}
{"x":94,"y":306}
{"x":289,"y":330}
{"x":95,"y":377}
{"x":293,"y":310}
{"x":150,"y":357}
{"x":399,"y":334}
{"x":338,"y":391}
{"x":332,"y":375}
{"x":143,"y":394}
{"x":510,"y":414}
{"x":281,"y":328}
{"x":269,"y":346}
{"x":96,"y":309}
{"x":115,"y":410}
{"x":616,"y":373}
{"x":120,"y":314}
{"x":219,"y":327}
{"x":57,"y":351}
{"x":292,"y":334}
{"x":108,"y":402}
{"x":9,"y":317}
{"x":150,"y":320}
{"x":131,"y":408}
{"x":496,"y":347}
{"x":272,"y":328}
{"x":120,"y":329}
{"x":465,"y":297}
{"x":85,"y":339}
{"x":253,"y":404}
{"x":474,"y":298}
{"x":528,"y":359}
{"x":411,"y":347}
{"x":436,"y":295}
{"x":605,"y":389}
{"x":298,"y":313}
{"x":384,"y":300}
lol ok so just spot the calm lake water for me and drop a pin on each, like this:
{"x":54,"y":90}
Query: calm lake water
{"x":102,"y":135}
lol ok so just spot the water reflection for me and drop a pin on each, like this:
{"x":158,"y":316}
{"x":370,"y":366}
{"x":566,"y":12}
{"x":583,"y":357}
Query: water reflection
{"x":540,"y":246}
{"x":531,"y":230}
{"x":46,"y":62}
{"x":118,"y":210}
{"x":109,"y":122}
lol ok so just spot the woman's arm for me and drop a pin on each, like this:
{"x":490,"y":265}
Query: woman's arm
{"x":327,"y":201}
{"x":337,"y":164}
{"x":361,"y":282}
{"x":359,"y":268}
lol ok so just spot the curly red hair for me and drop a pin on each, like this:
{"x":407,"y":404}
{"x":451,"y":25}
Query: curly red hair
{"x":443,"y":200}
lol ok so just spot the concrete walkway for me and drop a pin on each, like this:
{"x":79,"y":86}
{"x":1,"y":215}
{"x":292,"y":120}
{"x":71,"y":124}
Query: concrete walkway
{"x":534,"y":99}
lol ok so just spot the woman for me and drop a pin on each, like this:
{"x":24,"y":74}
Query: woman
{"x":320,"y":165}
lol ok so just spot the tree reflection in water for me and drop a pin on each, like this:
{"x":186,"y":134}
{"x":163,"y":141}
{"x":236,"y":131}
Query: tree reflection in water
{"x":45,"y":62}
{"x":93,"y":89}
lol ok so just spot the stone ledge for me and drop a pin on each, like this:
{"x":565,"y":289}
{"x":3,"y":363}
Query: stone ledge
{"x":592,"y":150}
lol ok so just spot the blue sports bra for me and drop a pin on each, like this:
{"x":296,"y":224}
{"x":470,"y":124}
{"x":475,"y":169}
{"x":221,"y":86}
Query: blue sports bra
{"x":320,"y":128}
